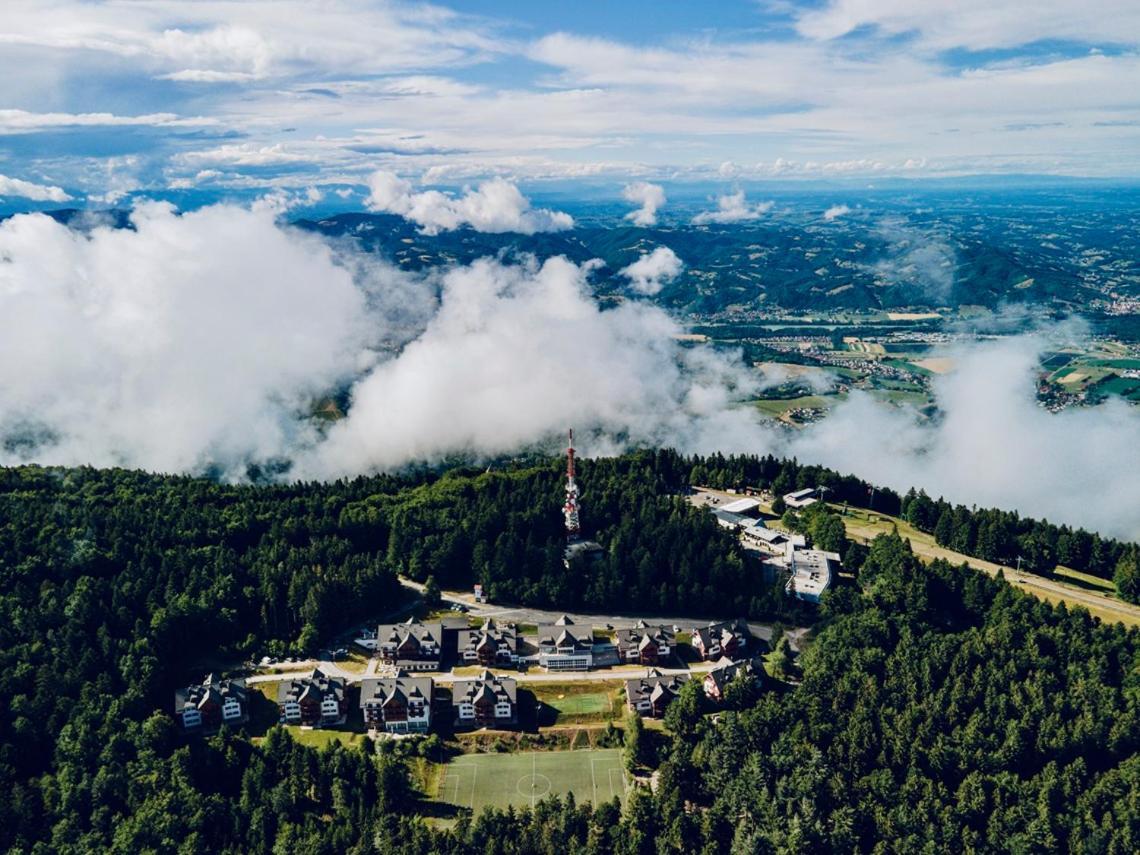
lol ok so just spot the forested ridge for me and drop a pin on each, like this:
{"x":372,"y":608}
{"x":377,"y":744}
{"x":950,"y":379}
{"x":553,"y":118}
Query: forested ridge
{"x":939,"y":710}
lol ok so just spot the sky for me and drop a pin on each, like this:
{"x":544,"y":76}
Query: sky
{"x":104,"y":99}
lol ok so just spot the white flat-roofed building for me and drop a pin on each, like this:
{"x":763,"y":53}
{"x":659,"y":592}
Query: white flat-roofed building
{"x":744,"y":507}
{"x":810,"y":571}
{"x":801,"y":498}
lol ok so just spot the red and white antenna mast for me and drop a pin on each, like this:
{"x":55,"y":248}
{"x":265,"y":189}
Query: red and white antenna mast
{"x":570,"y":509}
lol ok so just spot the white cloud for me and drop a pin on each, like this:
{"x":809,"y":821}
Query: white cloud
{"x":162,"y":347}
{"x":993,"y":446}
{"x":731,"y":208}
{"x":491,"y":371}
{"x":977,"y":24}
{"x":23,"y":121}
{"x":243,"y":154}
{"x":649,"y":197}
{"x":835,"y":212}
{"x":29,"y":190}
{"x":653,"y":270}
{"x":233,"y":40}
{"x":186,"y":342}
{"x":494,"y":206}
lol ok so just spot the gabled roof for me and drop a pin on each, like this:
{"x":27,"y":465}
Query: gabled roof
{"x":486,"y":686}
{"x":378,"y":690}
{"x":316,"y":686}
{"x":212,"y":689}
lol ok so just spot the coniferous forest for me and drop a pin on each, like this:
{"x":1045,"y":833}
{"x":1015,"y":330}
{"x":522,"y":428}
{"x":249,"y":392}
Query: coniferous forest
{"x":937,"y":710}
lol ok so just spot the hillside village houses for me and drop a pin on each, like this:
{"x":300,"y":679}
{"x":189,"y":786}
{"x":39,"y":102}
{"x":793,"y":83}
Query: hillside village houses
{"x":645,"y":645}
{"x":727,"y":638}
{"x":486,"y":701}
{"x":314,"y":700}
{"x":211,"y":703}
{"x":411,"y":646}
{"x":491,"y":644}
{"x":562,"y":646}
{"x":399,"y":704}
{"x":651,"y":694}
{"x":726,"y":671}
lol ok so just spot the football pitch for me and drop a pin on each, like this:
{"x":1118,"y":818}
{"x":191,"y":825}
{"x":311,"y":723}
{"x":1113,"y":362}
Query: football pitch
{"x":477,"y":781}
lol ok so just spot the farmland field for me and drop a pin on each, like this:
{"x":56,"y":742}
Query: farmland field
{"x":476,"y":781}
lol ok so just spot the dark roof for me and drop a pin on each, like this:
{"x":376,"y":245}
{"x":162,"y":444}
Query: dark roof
{"x":212,"y":688}
{"x":723,"y":629}
{"x":725,"y":670}
{"x":381,"y":689}
{"x":560,"y":633}
{"x":492,"y":633}
{"x":398,"y":633}
{"x":637,"y":636}
{"x":655,"y":686}
{"x":316,"y":686}
{"x":502,"y":688}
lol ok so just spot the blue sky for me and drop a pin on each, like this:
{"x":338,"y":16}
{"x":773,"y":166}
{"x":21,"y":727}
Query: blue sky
{"x":103,"y":99}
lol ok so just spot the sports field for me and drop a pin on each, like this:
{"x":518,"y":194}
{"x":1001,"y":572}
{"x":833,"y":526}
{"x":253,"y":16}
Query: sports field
{"x":477,"y":781}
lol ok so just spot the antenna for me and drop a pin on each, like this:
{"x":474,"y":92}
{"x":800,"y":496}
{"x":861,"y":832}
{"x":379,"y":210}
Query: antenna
{"x":570,"y":509}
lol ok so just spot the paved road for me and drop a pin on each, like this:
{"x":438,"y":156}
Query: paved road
{"x":301,"y":669}
{"x":525,"y":614}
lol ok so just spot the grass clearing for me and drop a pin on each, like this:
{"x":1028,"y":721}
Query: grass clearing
{"x":1085,"y":580}
{"x":578,"y":703}
{"x":319,"y":738}
{"x":354,"y":663}
{"x":477,"y":781}
{"x":866,"y":525}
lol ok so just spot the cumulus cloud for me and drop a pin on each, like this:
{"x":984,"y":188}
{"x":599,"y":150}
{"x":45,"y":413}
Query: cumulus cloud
{"x":731,"y":208}
{"x":186,"y":342}
{"x":650,"y":197}
{"x":653,"y":270}
{"x":993,"y":446}
{"x":835,"y":212}
{"x":518,"y":352}
{"x":30,"y":190}
{"x":494,"y":206}
{"x":200,"y":342}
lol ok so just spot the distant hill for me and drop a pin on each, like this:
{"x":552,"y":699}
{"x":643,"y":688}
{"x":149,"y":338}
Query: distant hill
{"x":797,"y":263}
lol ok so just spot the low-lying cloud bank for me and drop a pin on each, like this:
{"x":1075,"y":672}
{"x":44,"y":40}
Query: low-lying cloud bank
{"x":494,"y":206}
{"x":993,"y":446}
{"x":200,"y":342}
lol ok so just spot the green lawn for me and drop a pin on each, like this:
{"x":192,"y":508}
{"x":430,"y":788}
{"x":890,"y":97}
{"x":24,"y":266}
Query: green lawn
{"x":319,"y":738}
{"x":576,"y":703}
{"x":476,"y":781}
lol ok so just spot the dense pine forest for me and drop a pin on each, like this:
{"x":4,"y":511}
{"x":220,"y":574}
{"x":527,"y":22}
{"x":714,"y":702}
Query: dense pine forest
{"x":937,"y":709}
